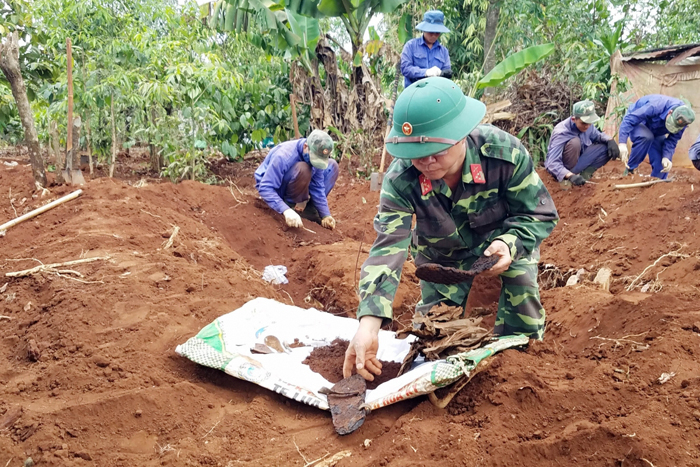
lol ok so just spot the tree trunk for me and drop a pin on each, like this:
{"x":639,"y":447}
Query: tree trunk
{"x":9,"y":63}
{"x":492,"y":15}
{"x":156,"y":161}
{"x":58,"y":155}
{"x":89,"y":144}
{"x":114,"y":140}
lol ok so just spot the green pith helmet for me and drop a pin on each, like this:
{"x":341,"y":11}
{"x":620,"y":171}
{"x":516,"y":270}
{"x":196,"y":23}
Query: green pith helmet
{"x":320,"y":148}
{"x":585,"y":111}
{"x":681,"y":117}
{"x":430,"y":116}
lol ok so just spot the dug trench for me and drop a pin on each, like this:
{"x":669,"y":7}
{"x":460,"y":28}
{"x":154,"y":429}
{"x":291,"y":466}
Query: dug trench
{"x":89,"y":376}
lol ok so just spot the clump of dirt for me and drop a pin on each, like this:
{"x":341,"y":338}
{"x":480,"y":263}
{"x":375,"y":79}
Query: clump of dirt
{"x":328,"y":362}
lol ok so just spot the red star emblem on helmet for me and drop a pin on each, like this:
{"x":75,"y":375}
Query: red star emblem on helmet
{"x":407,"y":128}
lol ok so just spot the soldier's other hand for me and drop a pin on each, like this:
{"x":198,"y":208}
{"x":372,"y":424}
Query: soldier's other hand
{"x":624,"y":153}
{"x":613,"y":150}
{"x":292,"y":218}
{"x":362,"y":350}
{"x":500,"y":249}
{"x":328,"y":222}
{"x":577,"y":180}
{"x":666,"y":162}
{"x":434,"y":71}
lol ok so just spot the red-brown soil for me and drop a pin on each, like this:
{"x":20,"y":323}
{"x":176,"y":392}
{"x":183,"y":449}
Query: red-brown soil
{"x":328,"y":362}
{"x":88,"y":373}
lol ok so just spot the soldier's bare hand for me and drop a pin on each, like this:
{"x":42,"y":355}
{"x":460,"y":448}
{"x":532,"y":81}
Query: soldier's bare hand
{"x":362,"y":350}
{"x":500,"y":249}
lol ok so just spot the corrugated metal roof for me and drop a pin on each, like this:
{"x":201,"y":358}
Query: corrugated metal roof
{"x":666,"y":53}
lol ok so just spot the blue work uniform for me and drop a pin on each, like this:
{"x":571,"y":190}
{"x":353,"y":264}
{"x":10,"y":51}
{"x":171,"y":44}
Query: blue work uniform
{"x":287,"y":176}
{"x":590,"y":145}
{"x":694,"y":153}
{"x":645,"y":125}
{"x":417,"y":58}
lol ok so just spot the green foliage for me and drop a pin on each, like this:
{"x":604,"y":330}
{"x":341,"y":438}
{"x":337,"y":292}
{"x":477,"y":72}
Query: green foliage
{"x":174,"y":84}
{"x":514,"y":64}
{"x":536,"y":136}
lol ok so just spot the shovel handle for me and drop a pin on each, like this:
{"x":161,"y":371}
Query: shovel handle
{"x":381,"y":163}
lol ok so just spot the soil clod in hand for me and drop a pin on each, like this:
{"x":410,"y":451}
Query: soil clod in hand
{"x":328,"y":362}
{"x":439,"y":274}
{"x":346,"y":399}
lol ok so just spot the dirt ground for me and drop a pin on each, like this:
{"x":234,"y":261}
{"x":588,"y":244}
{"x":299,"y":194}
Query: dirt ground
{"x":89,"y":376}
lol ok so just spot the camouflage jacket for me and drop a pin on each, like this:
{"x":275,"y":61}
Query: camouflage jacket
{"x":507,"y":201}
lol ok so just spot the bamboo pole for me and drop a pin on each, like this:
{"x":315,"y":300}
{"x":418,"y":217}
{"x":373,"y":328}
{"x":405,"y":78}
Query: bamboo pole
{"x":69,"y":75}
{"x":639,"y":185}
{"x":292,"y":103}
{"x":40,"y":210}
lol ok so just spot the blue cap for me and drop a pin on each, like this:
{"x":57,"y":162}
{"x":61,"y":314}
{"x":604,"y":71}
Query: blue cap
{"x":433,"y":21}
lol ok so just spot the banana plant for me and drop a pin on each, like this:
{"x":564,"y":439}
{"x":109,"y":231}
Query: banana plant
{"x":355,"y":14}
{"x":514,"y":64}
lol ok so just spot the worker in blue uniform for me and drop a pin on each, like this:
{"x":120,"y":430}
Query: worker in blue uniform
{"x":296,"y":177}
{"x":655,"y":124}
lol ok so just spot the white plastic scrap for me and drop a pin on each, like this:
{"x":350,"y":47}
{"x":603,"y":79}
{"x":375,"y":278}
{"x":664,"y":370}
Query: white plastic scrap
{"x":10,"y":164}
{"x":275,"y":274}
{"x":665,"y":377}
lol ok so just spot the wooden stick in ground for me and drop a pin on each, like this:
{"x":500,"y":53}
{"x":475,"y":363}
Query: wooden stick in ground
{"x":639,"y":185}
{"x":69,"y":124}
{"x":292,"y":103}
{"x":46,"y":267}
{"x":40,"y":210}
{"x":381,"y":162}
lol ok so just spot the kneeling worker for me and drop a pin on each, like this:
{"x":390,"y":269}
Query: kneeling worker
{"x":694,"y":153}
{"x":299,"y":174}
{"x":474,"y":191}
{"x":655,"y":124}
{"x":577,"y":148}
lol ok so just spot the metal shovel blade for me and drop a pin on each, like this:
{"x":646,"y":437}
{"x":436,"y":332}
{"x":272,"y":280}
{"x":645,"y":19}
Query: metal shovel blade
{"x":76,"y":177}
{"x":375,"y":181}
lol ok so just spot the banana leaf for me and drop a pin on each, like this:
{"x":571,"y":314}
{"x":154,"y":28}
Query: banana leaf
{"x":514,"y":64}
{"x":405,"y":28}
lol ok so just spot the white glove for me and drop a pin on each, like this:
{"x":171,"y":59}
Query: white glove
{"x":434,"y":71}
{"x":624,"y":153}
{"x":328,"y":222}
{"x":667,"y":165}
{"x":292,"y":218}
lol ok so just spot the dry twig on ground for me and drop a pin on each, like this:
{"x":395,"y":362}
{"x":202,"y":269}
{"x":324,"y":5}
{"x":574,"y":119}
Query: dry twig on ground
{"x":169,"y":243}
{"x":51,"y":268}
{"x":672,"y":254}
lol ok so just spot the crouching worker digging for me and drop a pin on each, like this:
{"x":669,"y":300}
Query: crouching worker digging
{"x":474,"y":192}
{"x":296,"y":177}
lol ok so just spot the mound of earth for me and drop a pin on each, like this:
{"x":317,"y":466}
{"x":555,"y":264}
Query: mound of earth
{"x":89,"y":375}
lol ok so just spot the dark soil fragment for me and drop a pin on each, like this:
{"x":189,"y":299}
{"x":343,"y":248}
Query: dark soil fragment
{"x":346,"y":399}
{"x":328,"y":362}
{"x":33,"y":351}
{"x":439,"y":274}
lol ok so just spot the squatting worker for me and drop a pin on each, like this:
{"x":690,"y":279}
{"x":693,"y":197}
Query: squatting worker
{"x":474,"y":190}
{"x":694,"y":153}
{"x":296,"y":176}
{"x":577,"y":149}
{"x":424,"y":56}
{"x":655,"y":124}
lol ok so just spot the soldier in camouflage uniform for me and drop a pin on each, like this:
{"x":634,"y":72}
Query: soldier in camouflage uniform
{"x":473,"y":190}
